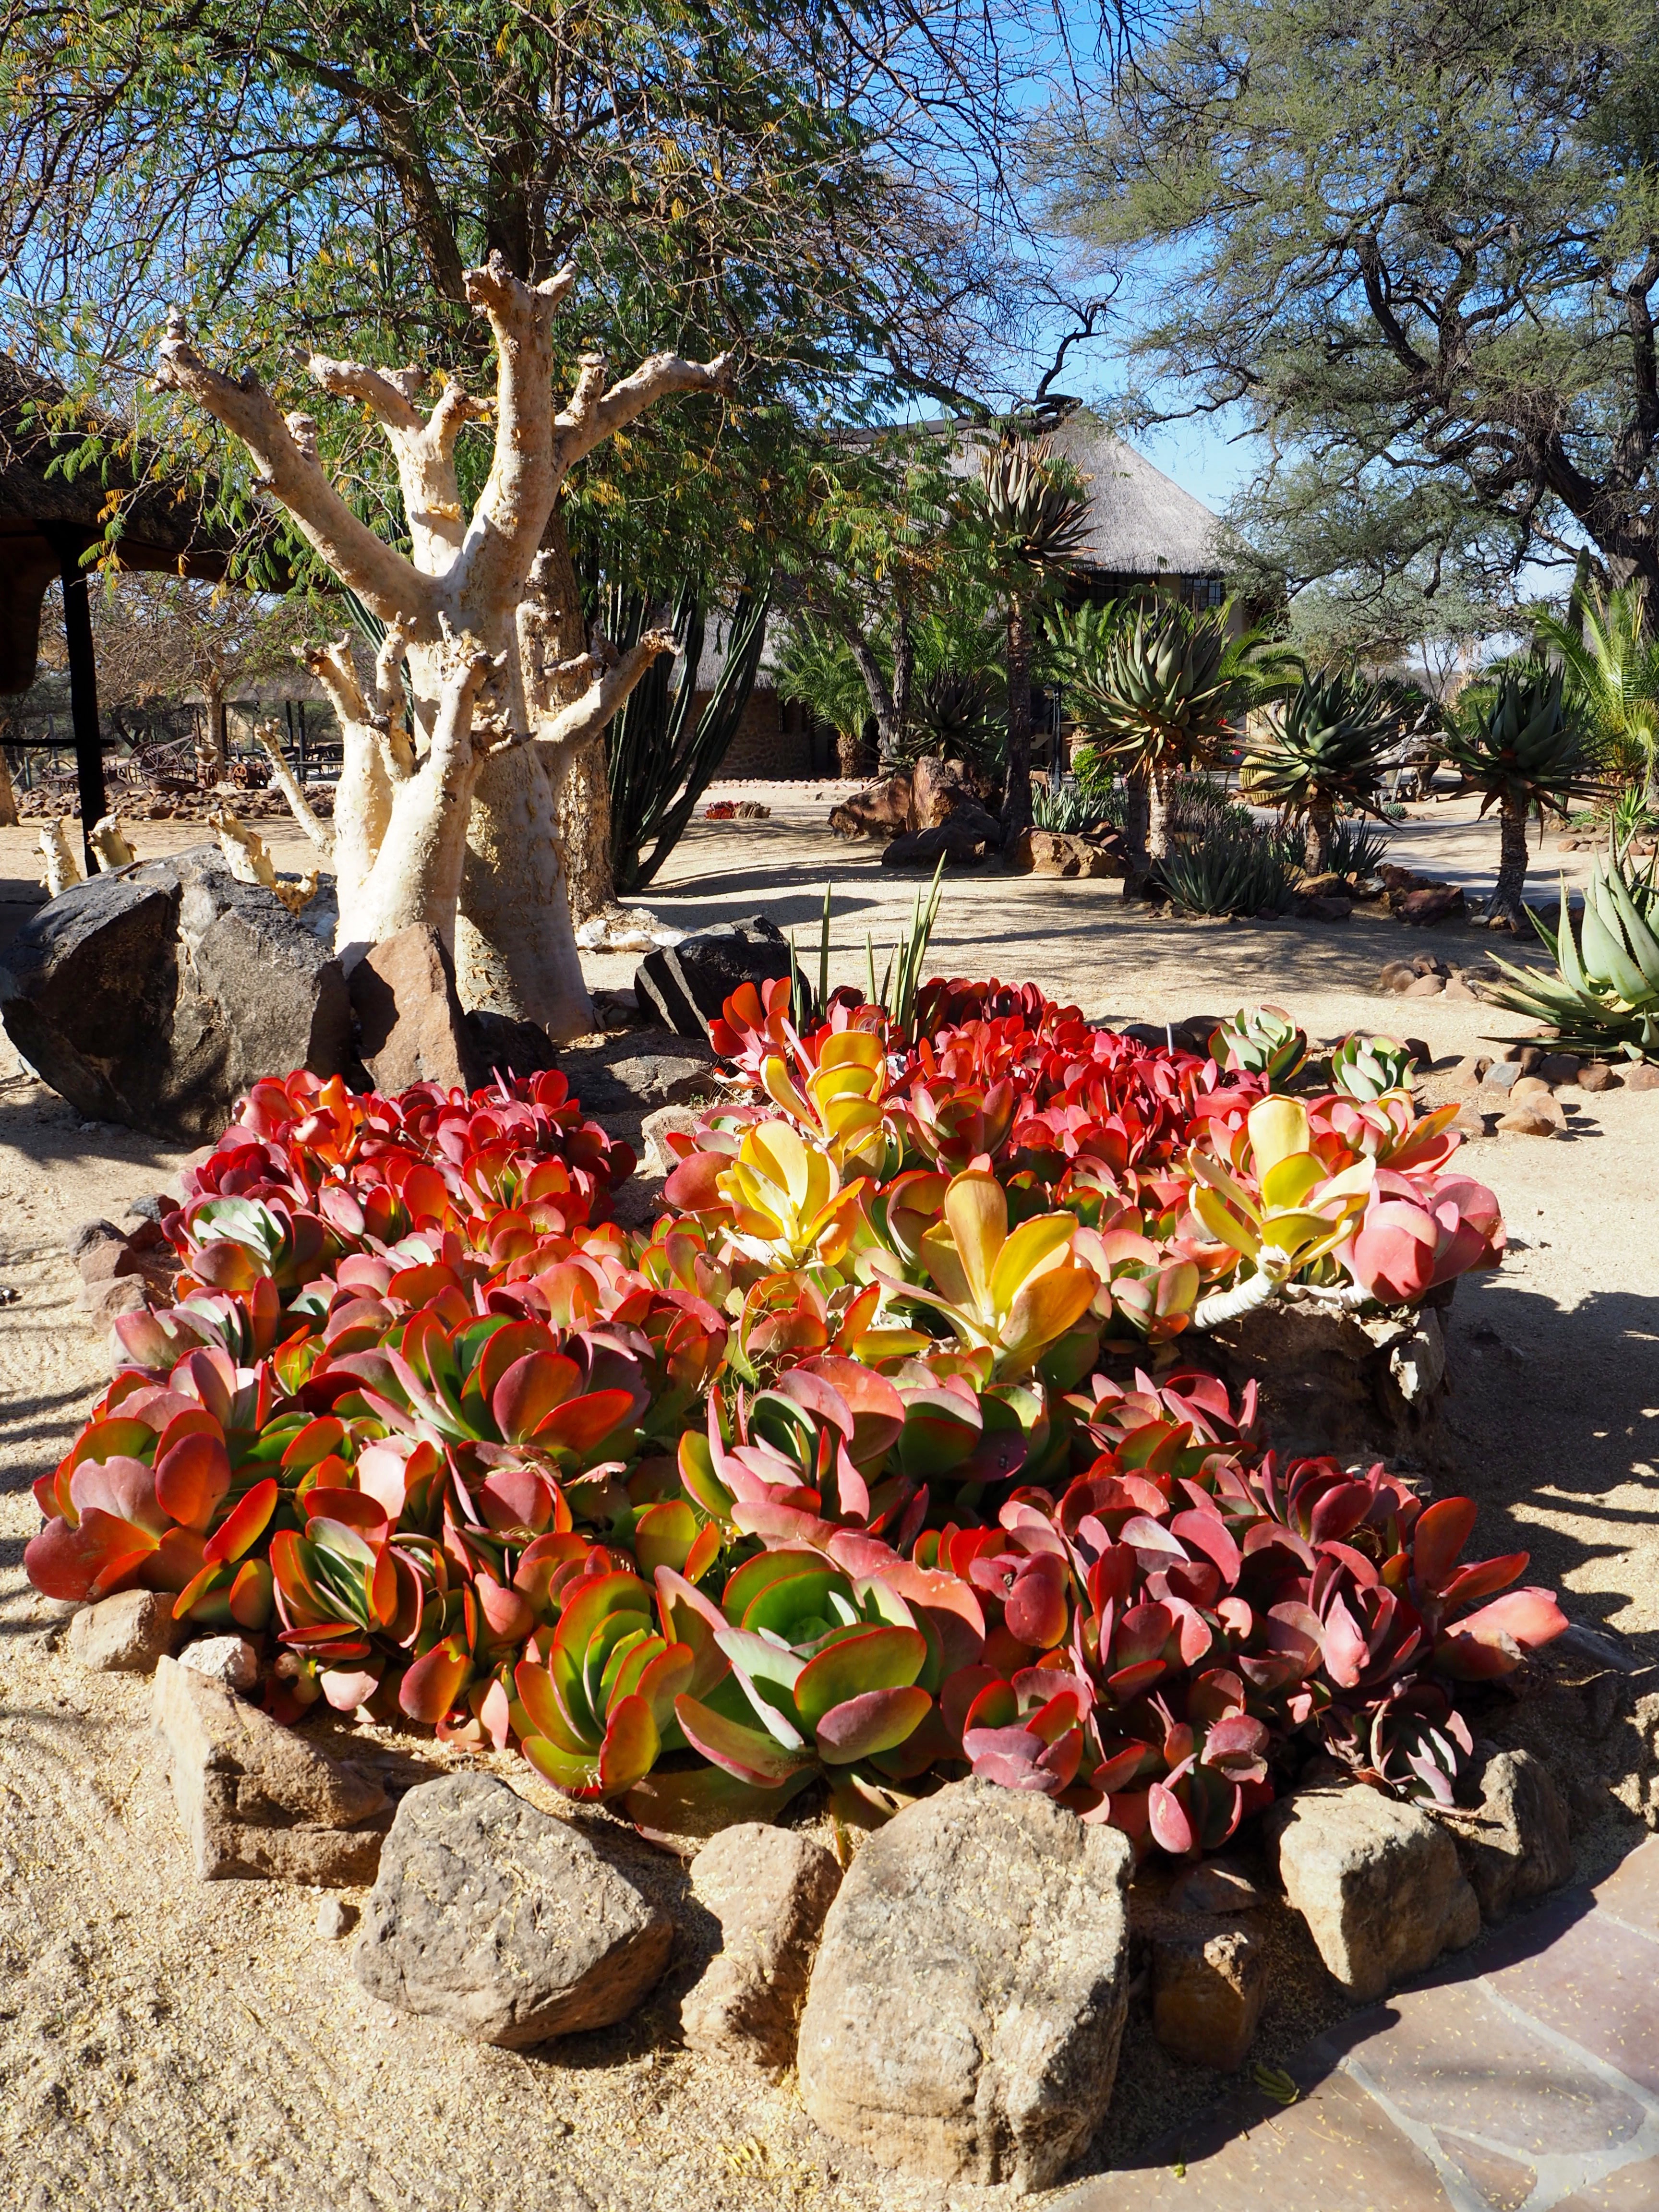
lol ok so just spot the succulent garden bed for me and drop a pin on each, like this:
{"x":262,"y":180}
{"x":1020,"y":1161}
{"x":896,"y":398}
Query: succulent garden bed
{"x":897,"y":1451}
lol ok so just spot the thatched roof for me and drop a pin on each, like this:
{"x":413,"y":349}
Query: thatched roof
{"x":41,"y":511}
{"x":1141,"y":524}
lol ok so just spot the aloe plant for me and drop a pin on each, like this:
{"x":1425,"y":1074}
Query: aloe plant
{"x":1604,"y":995}
{"x":1530,"y":756}
{"x":1155,"y":691}
{"x":1322,"y":749}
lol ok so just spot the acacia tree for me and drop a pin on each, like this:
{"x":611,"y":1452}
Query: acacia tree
{"x":1414,"y":244}
{"x":445,"y":812}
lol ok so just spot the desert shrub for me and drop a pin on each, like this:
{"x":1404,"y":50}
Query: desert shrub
{"x":1073,"y":811}
{"x":1230,"y":868}
{"x":845,"y":1472}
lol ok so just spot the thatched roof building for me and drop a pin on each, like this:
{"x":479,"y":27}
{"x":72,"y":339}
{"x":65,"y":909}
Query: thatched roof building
{"x":48,"y":519}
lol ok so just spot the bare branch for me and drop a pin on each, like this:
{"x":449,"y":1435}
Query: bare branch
{"x":300,"y":807}
{"x":586,"y":716}
{"x":387,"y":585}
{"x":654,"y":379}
{"x":422,"y":446}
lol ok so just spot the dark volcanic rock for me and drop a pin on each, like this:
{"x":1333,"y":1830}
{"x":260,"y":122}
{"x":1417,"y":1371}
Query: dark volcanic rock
{"x":685,"y":985}
{"x":156,"y":996}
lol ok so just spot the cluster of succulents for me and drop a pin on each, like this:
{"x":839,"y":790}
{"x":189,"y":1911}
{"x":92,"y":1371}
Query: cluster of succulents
{"x":845,"y":1471}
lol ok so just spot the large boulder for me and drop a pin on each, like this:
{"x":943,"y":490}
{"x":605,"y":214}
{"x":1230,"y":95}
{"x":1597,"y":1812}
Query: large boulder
{"x":257,"y":1799}
{"x":938,"y":789}
{"x":156,"y":996}
{"x":1061,"y":852}
{"x":881,"y":809}
{"x":967,"y":833}
{"x":1377,"y":1882}
{"x":411,"y":1028}
{"x":684,"y":986}
{"x":969,"y":1996}
{"x":505,"y":1921}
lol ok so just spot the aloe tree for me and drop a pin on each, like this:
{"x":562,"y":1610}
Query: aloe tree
{"x":1154,"y":688}
{"x":1030,"y":519}
{"x":1612,"y":663}
{"x":1323,"y":751}
{"x":1530,"y":755}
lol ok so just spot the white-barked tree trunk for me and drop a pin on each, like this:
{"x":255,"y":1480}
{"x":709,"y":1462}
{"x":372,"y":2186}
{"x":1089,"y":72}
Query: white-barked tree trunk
{"x":448,"y":809}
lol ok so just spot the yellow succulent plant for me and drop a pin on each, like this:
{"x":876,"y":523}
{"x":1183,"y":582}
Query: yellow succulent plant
{"x":790,"y":1204}
{"x":1302,"y":1211}
{"x":1014,"y":1294}
{"x":841,"y":1104}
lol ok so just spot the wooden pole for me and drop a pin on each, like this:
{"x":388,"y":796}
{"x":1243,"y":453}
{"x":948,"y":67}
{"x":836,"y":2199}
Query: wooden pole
{"x":84,"y":691}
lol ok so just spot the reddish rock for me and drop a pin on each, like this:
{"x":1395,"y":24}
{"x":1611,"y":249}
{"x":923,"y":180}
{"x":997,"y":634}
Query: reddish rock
{"x":1402,"y":880}
{"x":411,"y":1025}
{"x":1325,"y":910}
{"x":1599,"y":1076}
{"x":937,"y":788}
{"x":1471,"y":1123}
{"x":1457,"y":989}
{"x":1530,"y":1120}
{"x":1560,"y":1068}
{"x":882,"y":810}
{"x":1209,"y":1981}
{"x":1470,"y":1070}
{"x":1425,"y":986}
{"x":1055,"y":853}
{"x":1442,"y":902}
{"x":1643,"y":1076}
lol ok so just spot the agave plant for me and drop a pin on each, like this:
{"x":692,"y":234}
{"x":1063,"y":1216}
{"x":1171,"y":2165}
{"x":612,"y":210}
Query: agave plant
{"x":1604,"y":995}
{"x":1154,"y":692}
{"x":1530,"y":756}
{"x":1322,"y":750}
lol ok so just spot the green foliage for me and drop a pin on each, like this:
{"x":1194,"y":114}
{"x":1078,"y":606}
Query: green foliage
{"x":1530,"y":750}
{"x":1071,"y":810}
{"x":1412,"y":248}
{"x":1260,"y":1041}
{"x":1323,"y":748}
{"x":1356,"y":849}
{"x":816,"y":667}
{"x":1611,"y":661}
{"x":1604,"y":995}
{"x":1149,"y":684}
{"x":1230,"y":868}
{"x":661,"y":752}
{"x":1368,"y":1067}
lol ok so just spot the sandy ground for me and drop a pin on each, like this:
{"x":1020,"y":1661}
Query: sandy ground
{"x":166,"y":2043}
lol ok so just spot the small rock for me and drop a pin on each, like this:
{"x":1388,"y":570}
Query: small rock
{"x":1425,"y":986}
{"x":1458,"y":989}
{"x":1377,"y":1882}
{"x":90,"y":1235}
{"x":1515,"y":1845}
{"x":769,"y":1888}
{"x":661,"y":1079}
{"x":1403,"y":980}
{"x":1429,"y":963}
{"x":1502,"y":1075}
{"x":1420,"y":1052}
{"x":126,"y":1634}
{"x":967,"y":833}
{"x":668,"y":1121}
{"x":335,"y":1918}
{"x":1596,"y":1076}
{"x":1470,"y":1070}
{"x":257,"y":1799}
{"x":1642,"y":1076}
{"x":505,"y":1921}
{"x":1528,"y":1086}
{"x":1394,"y":974}
{"x":1322,"y":908}
{"x":1530,"y":1120}
{"x":1469,"y":1122}
{"x":1559,"y":1067}
{"x":1209,"y":1983}
{"x":230,"y":1661}
{"x":969,"y":1996}
{"x":1214,"y":1887}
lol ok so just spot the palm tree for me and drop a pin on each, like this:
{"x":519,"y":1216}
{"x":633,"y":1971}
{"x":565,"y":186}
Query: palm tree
{"x":1032,"y":520}
{"x":1530,"y":755}
{"x":1321,"y":751}
{"x":818,"y":667}
{"x":1612,"y":664}
{"x":1154,"y":688}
